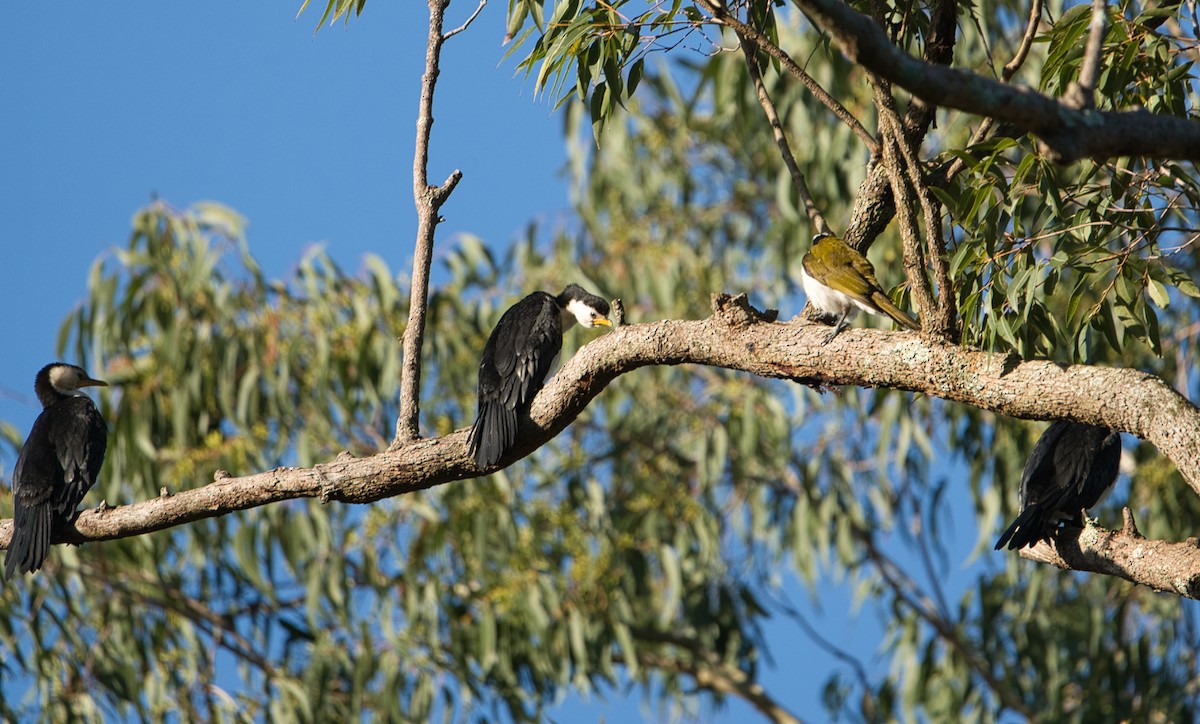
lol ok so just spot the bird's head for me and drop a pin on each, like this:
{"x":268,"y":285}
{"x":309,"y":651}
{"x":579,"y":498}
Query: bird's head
{"x":586,"y":308}
{"x":66,"y":379}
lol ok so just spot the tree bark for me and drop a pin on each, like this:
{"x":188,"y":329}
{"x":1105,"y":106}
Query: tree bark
{"x":736,"y":337}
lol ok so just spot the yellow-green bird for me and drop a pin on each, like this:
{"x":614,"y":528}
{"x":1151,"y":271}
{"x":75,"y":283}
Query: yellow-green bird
{"x":838,"y":281}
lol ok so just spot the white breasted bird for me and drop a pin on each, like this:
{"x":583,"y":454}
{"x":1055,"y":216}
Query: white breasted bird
{"x":59,"y":462}
{"x":839,"y":281}
{"x":516,"y":359}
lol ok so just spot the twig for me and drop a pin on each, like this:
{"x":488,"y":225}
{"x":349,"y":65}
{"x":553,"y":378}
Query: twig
{"x":749,"y":51}
{"x":723,"y":17}
{"x":468,"y":22}
{"x":429,"y":200}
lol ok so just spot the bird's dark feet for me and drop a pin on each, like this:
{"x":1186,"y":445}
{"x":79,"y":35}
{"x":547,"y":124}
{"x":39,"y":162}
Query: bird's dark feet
{"x":837,"y":329}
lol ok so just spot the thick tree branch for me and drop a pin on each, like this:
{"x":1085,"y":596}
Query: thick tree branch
{"x":1067,"y":134}
{"x":735,"y":337}
{"x":429,"y":200}
{"x":1161,"y":565}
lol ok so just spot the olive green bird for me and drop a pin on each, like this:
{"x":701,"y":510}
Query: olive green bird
{"x":839,"y":281}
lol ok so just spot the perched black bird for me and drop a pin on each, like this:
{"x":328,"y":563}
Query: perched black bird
{"x":517,"y":358}
{"x":59,"y":462}
{"x":1072,"y":468}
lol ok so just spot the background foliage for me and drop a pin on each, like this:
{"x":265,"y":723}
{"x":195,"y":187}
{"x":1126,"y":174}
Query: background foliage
{"x":648,"y":546}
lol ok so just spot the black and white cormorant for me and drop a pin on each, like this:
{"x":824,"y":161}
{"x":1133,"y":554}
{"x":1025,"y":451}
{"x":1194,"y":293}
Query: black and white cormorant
{"x":59,"y":462}
{"x":517,"y":358}
{"x":1072,"y":468}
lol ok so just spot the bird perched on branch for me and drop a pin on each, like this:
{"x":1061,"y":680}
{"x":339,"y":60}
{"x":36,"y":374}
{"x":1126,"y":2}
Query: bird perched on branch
{"x":1072,"y":468}
{"x":58,"y":464}
{"x":839,"y":281}
{"x":516,"y":359}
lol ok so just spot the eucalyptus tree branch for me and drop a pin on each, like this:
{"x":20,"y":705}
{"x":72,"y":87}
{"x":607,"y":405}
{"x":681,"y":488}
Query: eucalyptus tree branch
{"x":903,"y":200}
{"x":1082,"y":93}
{"x":1066,"y":133}
{"x":909,"y":189}
{"x":905,"y":591}
{"x":429,"y":200}
{"x":1006,"y":73}
{"x":749,"y":51}
{"x":467,"y":23}
{"x":1161,"y":565}
{"x":715,"y":675}
{"x":873,"y":203}
{"x":736,"y":337}
{"x":1035,"y":18}
{"x":722,"y":16}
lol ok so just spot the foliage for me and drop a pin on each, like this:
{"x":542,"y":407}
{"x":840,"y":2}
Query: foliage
{"x":649,"y":544}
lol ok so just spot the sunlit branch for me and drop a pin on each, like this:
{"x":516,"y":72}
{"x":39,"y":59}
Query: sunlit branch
{"x":1067,"y":134}
{"x":724,"y":17}
{"x":749,"y":51}
{"x":735,"y":337}
{"x":429,"y":200}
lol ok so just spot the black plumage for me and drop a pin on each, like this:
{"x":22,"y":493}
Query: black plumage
{"x":1072,"y":468}
{"x":516,"y":359}
{"x":58,"y":464}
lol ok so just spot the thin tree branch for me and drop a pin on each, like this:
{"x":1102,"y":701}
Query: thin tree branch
{"x":429,"y":200}
{"x":749,"y":51}
{"x":892,"y":138}
{"x":468,"y":22}
{"x":723,"y":17}
{"x":720,"y":677}
{"x":1082,"y":93}
{"x":1067,"y":134}
{"x":1006,"y":73}
{"x":874,"y":206}
{"x":907,"y":592}
{"x":1035,"y":18}
{"x":908,"y":189}
{"x":735,"y":337}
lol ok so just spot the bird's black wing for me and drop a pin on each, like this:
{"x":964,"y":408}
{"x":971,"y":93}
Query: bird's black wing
{"x":1071,"y":468}
{"x":79,"y":437}
{"x":35,"y":478}
{"x":515,"y":361}
{"x":58,"y":464}
{"x":1037,"y":496}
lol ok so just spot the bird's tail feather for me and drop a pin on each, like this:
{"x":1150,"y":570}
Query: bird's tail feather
{"x":1027,"y":529}
{"x":494,"y":432}
{"x":896,"y":313}
{"x":30,"y":542}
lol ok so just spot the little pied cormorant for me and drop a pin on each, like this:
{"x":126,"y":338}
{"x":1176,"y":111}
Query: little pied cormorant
{"x":59,"y":462}
{"x":517,"y":358}
{"x":839,"y":281}
{"x":1072,"y":467}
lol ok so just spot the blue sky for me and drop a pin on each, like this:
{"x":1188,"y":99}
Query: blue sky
{"x":310,"y":136}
